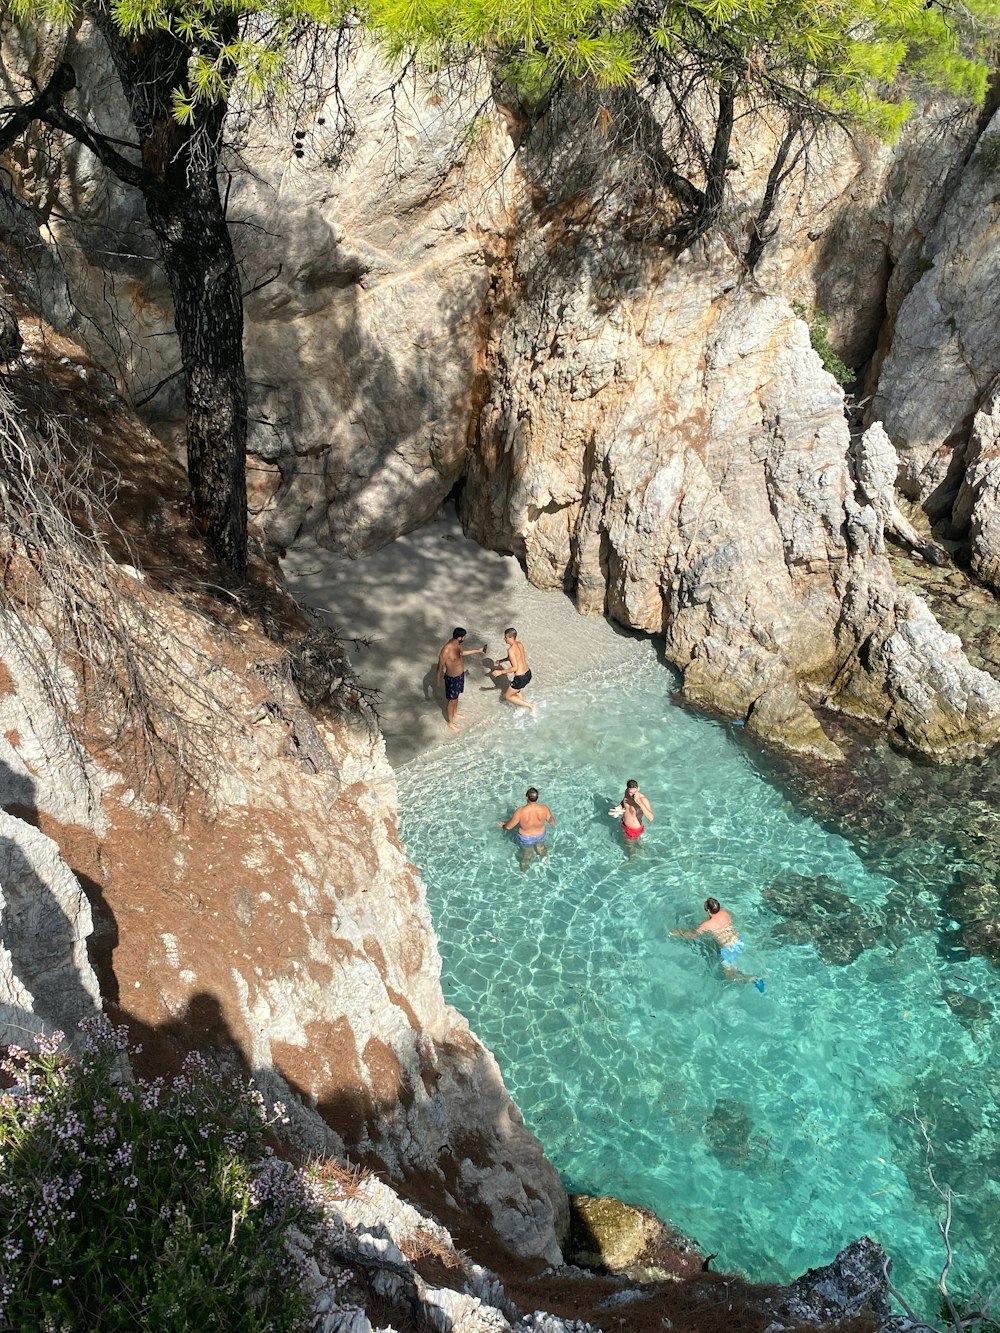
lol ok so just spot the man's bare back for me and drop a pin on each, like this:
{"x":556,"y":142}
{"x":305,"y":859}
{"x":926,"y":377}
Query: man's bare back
{"x":530,"y":819}
{"x":720,"y":925}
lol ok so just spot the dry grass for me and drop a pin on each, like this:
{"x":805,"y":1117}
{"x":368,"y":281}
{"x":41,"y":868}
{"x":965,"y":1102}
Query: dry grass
{"x":426,"y":1245}
{"x":338,"y":1181}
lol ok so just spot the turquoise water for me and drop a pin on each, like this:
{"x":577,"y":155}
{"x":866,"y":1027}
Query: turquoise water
{"x":775,"y":1127}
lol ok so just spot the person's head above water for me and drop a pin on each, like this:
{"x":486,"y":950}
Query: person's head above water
{"x":712,"y":905}
{"x":532,"y":794}
{"x":510,"y":634}
{"x":459,"y":633}
{"x":631,"y":785}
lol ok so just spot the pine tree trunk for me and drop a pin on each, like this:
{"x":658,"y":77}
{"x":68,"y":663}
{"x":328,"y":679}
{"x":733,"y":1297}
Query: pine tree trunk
{"x":198,"y":259}
{"x":187,"y":216}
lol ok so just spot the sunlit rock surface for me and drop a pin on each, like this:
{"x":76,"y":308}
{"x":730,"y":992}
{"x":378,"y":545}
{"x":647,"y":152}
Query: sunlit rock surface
{"x":46,"y":980}
{"x":651,"y":430}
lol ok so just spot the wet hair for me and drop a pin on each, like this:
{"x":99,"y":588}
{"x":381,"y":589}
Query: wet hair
{"x":459,"y":633}
{"x":532,"y":793}
{"x":630,"y":784}
{"x":510,"y":631}
{"x":712,"y":905}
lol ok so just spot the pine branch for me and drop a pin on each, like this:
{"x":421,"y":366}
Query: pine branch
{"x":46,"y":108}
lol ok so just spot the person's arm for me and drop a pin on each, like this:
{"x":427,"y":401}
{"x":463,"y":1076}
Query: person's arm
{"x":646,"y":808}
{"x":684,"y":934}
{"x":503,"y":671}
{"x":440,"y":667}
{"x":513,"y":822}
{"x":473,"y":652}
{"x":550,"y":817}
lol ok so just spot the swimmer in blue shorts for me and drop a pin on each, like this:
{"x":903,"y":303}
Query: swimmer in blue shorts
{"x":720,"y":926}
{"x":530,"y":820}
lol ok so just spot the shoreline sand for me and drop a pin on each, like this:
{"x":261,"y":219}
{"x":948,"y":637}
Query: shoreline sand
{"x":408,"y":596}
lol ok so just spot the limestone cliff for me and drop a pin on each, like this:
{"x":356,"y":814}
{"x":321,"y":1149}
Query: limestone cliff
{"x":239,"y":852}
{"x":651,"y":430}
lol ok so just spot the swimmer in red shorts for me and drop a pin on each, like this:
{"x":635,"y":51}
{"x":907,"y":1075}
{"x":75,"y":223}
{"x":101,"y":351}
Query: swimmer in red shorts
{"x":635,"y":807}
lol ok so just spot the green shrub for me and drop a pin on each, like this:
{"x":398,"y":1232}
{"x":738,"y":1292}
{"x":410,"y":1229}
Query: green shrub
{"x":818,"y":324}
{"x":145,"y":1206}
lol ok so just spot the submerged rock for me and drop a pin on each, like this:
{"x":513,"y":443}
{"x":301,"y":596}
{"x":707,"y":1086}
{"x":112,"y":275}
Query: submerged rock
{"x":609,"y":1235}
{"x":970,"y":1011}
{"x":730,"y":1131}
{"x":817,"y":909}
{"x":975,"y":905}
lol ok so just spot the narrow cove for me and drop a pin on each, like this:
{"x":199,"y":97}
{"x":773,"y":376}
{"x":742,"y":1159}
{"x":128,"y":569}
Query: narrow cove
{"x":772,"y":1128}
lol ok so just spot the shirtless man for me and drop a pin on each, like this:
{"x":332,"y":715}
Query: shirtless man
{"x":452,"y":667}
{"x":517,"y":668}
{"x":720,"y":926}
{"x":635,"y":807}
{"x":530,"y":820}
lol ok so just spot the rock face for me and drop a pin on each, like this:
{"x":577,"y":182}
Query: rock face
{"x":653,"y":432}
{"x":249,"y":890}
{"x":367,"y":274}
{"x":46,"y":980}
{"x":945,"y":345}
{"x":672,"y":450}
{"x":679,"y":463}
{"x":977,"y":507}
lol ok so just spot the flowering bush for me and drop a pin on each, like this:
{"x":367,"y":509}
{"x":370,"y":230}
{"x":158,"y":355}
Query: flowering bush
{"x":139,"y":1205}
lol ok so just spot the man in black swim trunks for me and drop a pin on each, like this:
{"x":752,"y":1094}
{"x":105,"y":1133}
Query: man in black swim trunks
{"x":452,"y":667}
{"x":517,"y":668}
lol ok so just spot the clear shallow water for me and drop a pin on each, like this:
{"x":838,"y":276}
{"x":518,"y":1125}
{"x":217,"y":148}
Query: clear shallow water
{"x":772,"y":1128}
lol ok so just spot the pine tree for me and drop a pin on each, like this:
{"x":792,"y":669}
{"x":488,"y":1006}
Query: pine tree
{"x":181,"y":62}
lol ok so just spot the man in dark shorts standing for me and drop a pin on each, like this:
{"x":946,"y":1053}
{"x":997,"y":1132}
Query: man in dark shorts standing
{"x":452,"y":667}
{"x":517,"y":668}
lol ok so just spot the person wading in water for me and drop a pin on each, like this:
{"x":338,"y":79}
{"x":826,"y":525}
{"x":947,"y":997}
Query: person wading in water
{"x":517,"y":668}
{"x":530,"y":820}
{"x":635,"y":807}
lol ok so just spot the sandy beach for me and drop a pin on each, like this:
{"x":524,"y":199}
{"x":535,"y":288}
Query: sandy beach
{"x":408,"y":597}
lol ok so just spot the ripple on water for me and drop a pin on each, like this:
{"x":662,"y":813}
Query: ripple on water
{"x":773,"y":1128}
